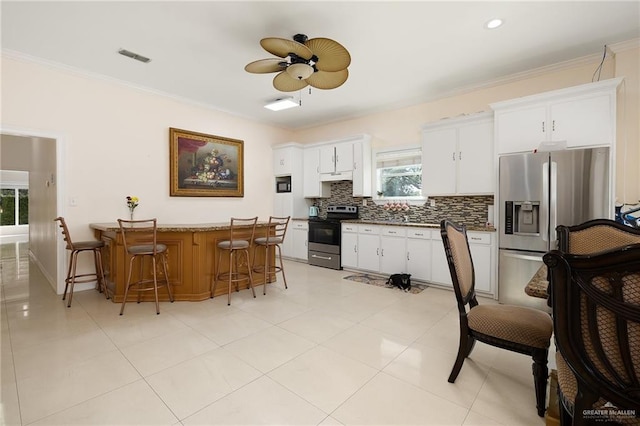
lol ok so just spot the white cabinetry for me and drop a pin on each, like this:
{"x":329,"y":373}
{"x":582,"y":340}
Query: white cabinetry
{"x":287,"y":161}
{"x":414,"y":250}
{"x":577,"y":116}
{"x":439,"y":267}
{"x":297,"y":237}
{"x":336,"y":158}
{"x":393,"y":250}
{"x":481,"y":246}
{"x":457,"y":156}
{"x":349,"y":246}
{"x":346,"y":159}
{"x":369,"y":247}
{"x":283,"y":158}
{"x":419,"y":253}
{"x":313,"y":187}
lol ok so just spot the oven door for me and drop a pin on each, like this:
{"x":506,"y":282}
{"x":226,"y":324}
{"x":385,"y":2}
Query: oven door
{"x":324,"y":233}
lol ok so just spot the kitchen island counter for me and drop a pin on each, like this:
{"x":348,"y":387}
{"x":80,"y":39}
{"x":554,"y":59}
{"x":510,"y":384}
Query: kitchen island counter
{"x":192,"y":256}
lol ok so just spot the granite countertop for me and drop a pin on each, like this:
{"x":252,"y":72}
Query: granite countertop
{"x":417,"y":224}
{"x":192,"y":227}
{"x":538,"y":285}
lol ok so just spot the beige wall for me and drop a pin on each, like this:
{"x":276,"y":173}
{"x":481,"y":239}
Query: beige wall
{"x":403,"y":126}
{"x":114,"y":142}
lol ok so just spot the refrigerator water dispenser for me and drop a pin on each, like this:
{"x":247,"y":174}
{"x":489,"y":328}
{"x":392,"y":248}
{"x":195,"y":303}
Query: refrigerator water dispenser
{"x":522,"y":217}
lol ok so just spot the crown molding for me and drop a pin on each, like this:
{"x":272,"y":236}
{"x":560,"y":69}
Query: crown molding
{"x":625,"y":45}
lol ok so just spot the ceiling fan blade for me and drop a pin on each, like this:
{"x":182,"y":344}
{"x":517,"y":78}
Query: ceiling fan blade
{"x":264,"y":66}
{"x":285,"y":83}
{"x":332,"y":56}
{"x":282,"y":47}
{"x":328,"y":80}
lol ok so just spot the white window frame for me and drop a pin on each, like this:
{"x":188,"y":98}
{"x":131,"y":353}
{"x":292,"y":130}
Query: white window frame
{"x":410,"y":150}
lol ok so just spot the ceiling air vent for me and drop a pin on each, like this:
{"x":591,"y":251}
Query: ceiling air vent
{"x":134,"y":56}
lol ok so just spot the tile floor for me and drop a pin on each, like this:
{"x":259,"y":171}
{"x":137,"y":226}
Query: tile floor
{"x":327,"y":351}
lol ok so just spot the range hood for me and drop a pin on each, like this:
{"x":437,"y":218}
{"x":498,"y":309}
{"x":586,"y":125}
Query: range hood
{"x":336,"y":176}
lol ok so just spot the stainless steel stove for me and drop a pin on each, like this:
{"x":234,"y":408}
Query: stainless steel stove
{"x":324,"y":236}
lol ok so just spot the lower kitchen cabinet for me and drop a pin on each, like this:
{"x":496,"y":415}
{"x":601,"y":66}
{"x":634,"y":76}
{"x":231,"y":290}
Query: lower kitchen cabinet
{"x":415,"y":250}
{"x":369,"y":248}
{"x":439,"y":267}
{"x":349,"y":246}
{"x":419,"y":253}
{"x":393,"y":250}
{"x":298,"y":237}
{"x":480,"y":244}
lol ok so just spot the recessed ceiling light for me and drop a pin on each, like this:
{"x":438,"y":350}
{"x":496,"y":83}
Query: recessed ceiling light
{"x":494,"y":23}
{"x":282,"y":103}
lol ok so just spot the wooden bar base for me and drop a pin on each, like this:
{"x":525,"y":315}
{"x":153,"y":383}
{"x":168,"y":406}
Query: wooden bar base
{"x":192,"y":256}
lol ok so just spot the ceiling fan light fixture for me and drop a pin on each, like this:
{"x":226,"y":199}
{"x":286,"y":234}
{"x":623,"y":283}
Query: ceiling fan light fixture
{"x":282,"y":103}
{"x":300,"y":71}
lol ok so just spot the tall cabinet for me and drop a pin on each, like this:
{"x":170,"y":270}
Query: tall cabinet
{"x":288,"y":162}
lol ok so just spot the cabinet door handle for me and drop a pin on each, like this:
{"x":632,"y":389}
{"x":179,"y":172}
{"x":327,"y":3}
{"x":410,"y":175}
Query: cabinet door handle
{"x":543,"y":127}
{"x":453,"y":156}
{"x":377,"y":252}
{"x":382,"y":252}
{"x":553,"y":125}
{"x":408,"y":256}
{"x":460,"y":155}
{"x":355,"y":249}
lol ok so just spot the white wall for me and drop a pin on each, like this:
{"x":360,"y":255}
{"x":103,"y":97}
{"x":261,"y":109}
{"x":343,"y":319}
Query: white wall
{"x":116,"y":143}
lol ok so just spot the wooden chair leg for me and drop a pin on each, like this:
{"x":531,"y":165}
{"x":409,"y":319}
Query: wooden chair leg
{"x":462,"y":354}
{"x":249,"y":268}
{"x":165,"y":268}
{"x":541,"y":376}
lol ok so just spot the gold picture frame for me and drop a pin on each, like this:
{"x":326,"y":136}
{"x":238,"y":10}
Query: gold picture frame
{"x":204,"y":165}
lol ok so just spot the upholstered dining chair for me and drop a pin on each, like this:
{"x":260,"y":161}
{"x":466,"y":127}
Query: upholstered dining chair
{"x":141,"y":242}
{"x":75,"y":248}
{"x":515,"y":328}
{"x":241,"y":235}
{"x":596,"y":316}
{"x":276,"y":231}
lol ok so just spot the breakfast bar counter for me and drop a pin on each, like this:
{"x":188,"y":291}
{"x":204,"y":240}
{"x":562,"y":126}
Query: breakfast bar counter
{"x":192,"y":254}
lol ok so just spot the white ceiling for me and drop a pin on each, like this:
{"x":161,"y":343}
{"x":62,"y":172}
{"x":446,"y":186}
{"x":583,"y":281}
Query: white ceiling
{"x":403,"y":53}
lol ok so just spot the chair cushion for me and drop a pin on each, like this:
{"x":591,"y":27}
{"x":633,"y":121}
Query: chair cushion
{"x":147,"y":249}
{"x":233,"y":244}
{"x":270,"y":240}
{"x":88,"y":245}
{"x":518,"y":324}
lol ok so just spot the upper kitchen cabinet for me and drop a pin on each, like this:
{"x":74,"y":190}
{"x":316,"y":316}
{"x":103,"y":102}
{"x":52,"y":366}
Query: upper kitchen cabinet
{"x":313,"y":186}
{"x":345,"y":159}
{"x":283,"y":159}
{"x":336,"y":158}
{"x":577,"y":116}
{"x":457,"y":156}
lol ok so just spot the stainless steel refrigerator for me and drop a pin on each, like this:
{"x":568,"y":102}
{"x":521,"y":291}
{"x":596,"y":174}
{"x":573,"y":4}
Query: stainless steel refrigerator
{"x":537,"y":192}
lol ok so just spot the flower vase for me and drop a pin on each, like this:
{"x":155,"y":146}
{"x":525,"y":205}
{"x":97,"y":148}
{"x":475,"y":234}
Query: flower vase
{"x":131,"y":214}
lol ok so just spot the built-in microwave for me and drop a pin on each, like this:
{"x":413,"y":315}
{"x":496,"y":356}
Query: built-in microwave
{"x":283,"y":184}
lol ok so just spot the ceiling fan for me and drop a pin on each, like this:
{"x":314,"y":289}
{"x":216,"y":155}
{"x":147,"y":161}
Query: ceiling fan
{"x":319,"y":62}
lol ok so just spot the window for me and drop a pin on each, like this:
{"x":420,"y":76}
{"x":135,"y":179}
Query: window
{"x":14,"y":206}
{"x":399,"y":173}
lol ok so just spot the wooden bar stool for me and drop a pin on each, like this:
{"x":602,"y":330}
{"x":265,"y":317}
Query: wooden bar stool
{"x":276,"y":232}
{"x":140,"y":241}
{"x":241,"y":234}
{"x":75,"y":249}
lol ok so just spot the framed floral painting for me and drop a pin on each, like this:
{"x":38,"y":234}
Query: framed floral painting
{"x":204,"y":165}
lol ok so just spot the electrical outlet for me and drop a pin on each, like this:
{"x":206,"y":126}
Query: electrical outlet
{"x":432,"y":203}
{"x":364,"y":202}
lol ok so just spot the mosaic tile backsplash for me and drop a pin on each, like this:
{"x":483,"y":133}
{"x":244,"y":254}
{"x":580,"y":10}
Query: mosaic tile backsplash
{"x":468,"y":210}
